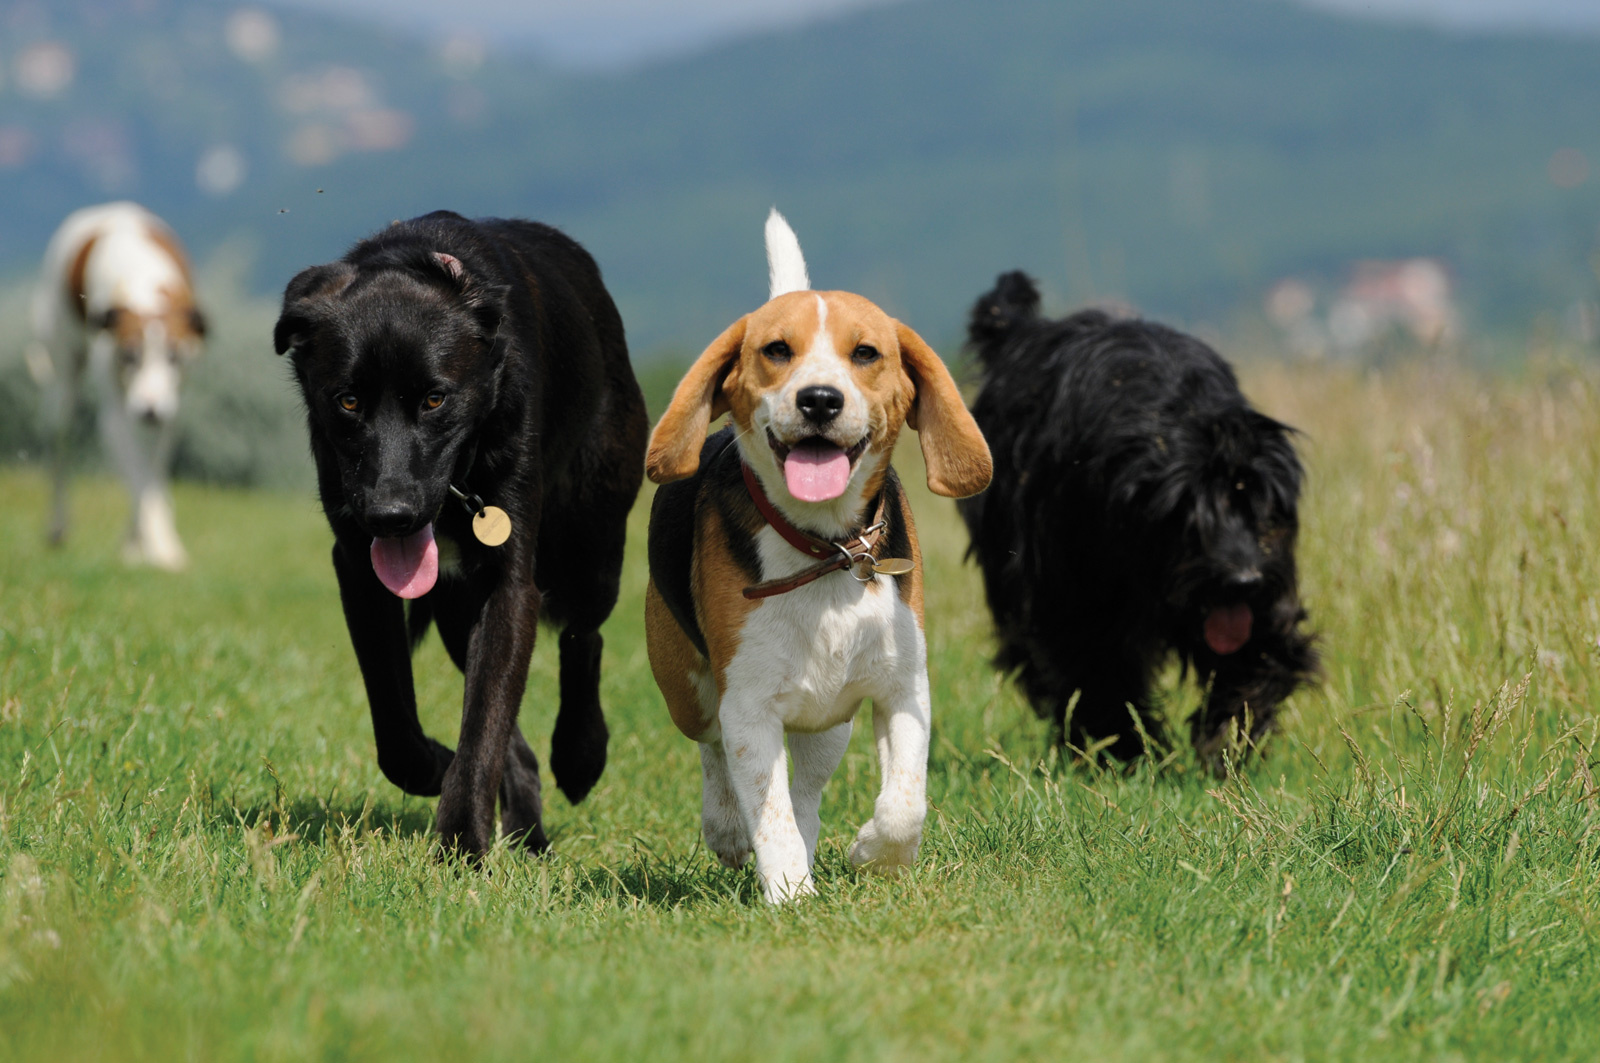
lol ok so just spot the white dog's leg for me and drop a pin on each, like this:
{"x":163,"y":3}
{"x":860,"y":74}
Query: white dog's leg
{"x":720,"y":819}
{"x":152,"y":535}
{"x":816,"y":757}
{"x":120,"y":436}
{"x":753,"y":740}
{"x":60,"y":405}
{"x":889,"y":840}
{"x":158,"y":531}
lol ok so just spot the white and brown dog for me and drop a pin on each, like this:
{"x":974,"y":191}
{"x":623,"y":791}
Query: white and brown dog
{"x":785,"y":577}
{"x":115,"y":303}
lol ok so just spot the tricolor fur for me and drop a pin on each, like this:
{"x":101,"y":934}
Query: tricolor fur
{"x":115,"y":303}
{"x":813,"y":372}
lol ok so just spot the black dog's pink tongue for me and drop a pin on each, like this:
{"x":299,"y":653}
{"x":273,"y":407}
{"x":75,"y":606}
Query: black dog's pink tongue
{"x":1228,"y":628}
{"x":408,"y":566}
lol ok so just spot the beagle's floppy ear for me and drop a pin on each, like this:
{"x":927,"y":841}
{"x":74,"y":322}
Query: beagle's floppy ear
{"x":953,"y":448}
{"x":675,"y":444}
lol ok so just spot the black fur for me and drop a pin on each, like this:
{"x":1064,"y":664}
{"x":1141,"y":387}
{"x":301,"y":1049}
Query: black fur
{"x":541,"y":417}
{"x":1135,"y":490}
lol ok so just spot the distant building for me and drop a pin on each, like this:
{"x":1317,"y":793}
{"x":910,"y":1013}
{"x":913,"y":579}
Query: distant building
{"x":1413,"y":297}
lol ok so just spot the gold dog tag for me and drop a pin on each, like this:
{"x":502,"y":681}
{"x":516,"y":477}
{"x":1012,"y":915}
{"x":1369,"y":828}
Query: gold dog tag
{"x":492,"y":526}
{"x":893,"y":566}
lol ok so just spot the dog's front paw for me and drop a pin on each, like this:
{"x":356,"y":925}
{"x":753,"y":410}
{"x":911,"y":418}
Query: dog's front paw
{"x":780,"y":889}
{"x":874,"y":850}
{"x":465,"y":823}
{"x":520,"y":805}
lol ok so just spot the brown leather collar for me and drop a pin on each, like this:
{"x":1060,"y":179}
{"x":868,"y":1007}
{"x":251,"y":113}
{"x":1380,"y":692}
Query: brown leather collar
{"x":858,"y":554}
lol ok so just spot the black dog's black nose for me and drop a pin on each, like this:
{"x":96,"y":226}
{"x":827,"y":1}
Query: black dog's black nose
{"x":819,"y":403}
{"x":389,"y":519}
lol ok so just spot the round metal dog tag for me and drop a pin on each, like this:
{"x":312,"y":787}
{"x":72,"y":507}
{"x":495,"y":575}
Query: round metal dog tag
{"x":492,"y":526}
{"x":892,"y":566}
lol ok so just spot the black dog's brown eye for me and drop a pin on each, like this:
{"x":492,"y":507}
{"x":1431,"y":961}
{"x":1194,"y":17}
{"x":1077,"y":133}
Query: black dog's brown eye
{"x":434,"y":400}
{"x":778,"y":351}
{"x":865,"y":354}
{"x":349,"y":402}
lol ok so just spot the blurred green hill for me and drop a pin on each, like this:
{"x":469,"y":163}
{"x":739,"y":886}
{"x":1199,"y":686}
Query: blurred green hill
{"x":1180,"y":155}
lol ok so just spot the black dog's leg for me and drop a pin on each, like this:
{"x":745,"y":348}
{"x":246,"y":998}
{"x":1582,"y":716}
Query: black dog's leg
{"x":1103,"y":712}
{"x":1115,"y":687}
{"x":1242,"y":707}
{"x":376,"y":619}
{"x":583,"y":583}
{"x":521,"y":809}
{"x":521,"y":803}
{"x":496,"y":675}
{"x":578,"y":744}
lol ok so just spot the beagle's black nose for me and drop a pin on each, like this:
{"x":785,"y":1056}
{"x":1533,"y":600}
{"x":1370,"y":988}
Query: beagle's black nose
{"x":819,"y":404}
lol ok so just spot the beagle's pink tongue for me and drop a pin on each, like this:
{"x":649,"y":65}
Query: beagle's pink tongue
{"x":1228,"y":628}
{"x":816,"y":471}
{"x":408,"y":566}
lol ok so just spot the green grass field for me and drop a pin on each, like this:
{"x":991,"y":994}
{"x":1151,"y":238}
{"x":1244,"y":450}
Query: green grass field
{"x":200,"y":860}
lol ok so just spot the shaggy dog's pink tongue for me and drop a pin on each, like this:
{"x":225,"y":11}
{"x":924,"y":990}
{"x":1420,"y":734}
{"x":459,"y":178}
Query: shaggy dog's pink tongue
{"x":407,"y":566}
{"x":1228,"y":628}
{"x":816,"y":471}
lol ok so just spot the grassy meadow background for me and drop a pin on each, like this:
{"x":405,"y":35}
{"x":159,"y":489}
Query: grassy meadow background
{"x":200,"y":860}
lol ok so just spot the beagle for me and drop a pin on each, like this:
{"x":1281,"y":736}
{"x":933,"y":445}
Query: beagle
{"x":115,"y":303}
{"x":785,"y":578}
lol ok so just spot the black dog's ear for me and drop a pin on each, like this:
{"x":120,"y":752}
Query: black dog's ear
{"x":303,"y":300}
{"x":487,"y":301}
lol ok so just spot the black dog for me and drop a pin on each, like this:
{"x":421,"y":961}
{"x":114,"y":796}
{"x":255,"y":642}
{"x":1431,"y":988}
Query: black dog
{"x":1139,"y":506}
{"x":484,"y":357}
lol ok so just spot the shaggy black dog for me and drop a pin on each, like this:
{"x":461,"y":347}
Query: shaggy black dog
{"x":1139,"y":507}
{"x":456,"y":371}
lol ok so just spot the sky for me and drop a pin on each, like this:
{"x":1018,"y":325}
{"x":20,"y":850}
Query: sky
{"x":611,"y":33}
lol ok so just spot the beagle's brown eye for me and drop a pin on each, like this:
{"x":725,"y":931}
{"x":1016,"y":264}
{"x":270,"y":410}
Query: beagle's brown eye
{"x":349,"y":402}
{"x":865,"y":354}
{"x":434,"y":400}
{"x":778,"y":351}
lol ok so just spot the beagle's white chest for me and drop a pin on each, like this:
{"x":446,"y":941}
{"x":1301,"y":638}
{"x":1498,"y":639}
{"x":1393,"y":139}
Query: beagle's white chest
{"x":812,"y":654}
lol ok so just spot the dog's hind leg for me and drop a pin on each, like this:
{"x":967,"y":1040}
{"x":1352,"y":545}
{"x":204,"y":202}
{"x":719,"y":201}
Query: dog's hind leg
{"x":720,"y":821}
{"x":61,"y":387}
{"x":816,"y":757}
{"x":582,"y":574}
{"x":578,"y":744}
{"x":1114,"y":691}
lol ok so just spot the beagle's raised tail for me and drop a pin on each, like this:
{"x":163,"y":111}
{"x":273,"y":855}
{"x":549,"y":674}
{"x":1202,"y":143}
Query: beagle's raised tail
{"x":786,"y":266}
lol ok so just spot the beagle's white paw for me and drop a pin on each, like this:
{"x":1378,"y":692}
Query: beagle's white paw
{"x":875,"y":851}
{"x":780,"y":889}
